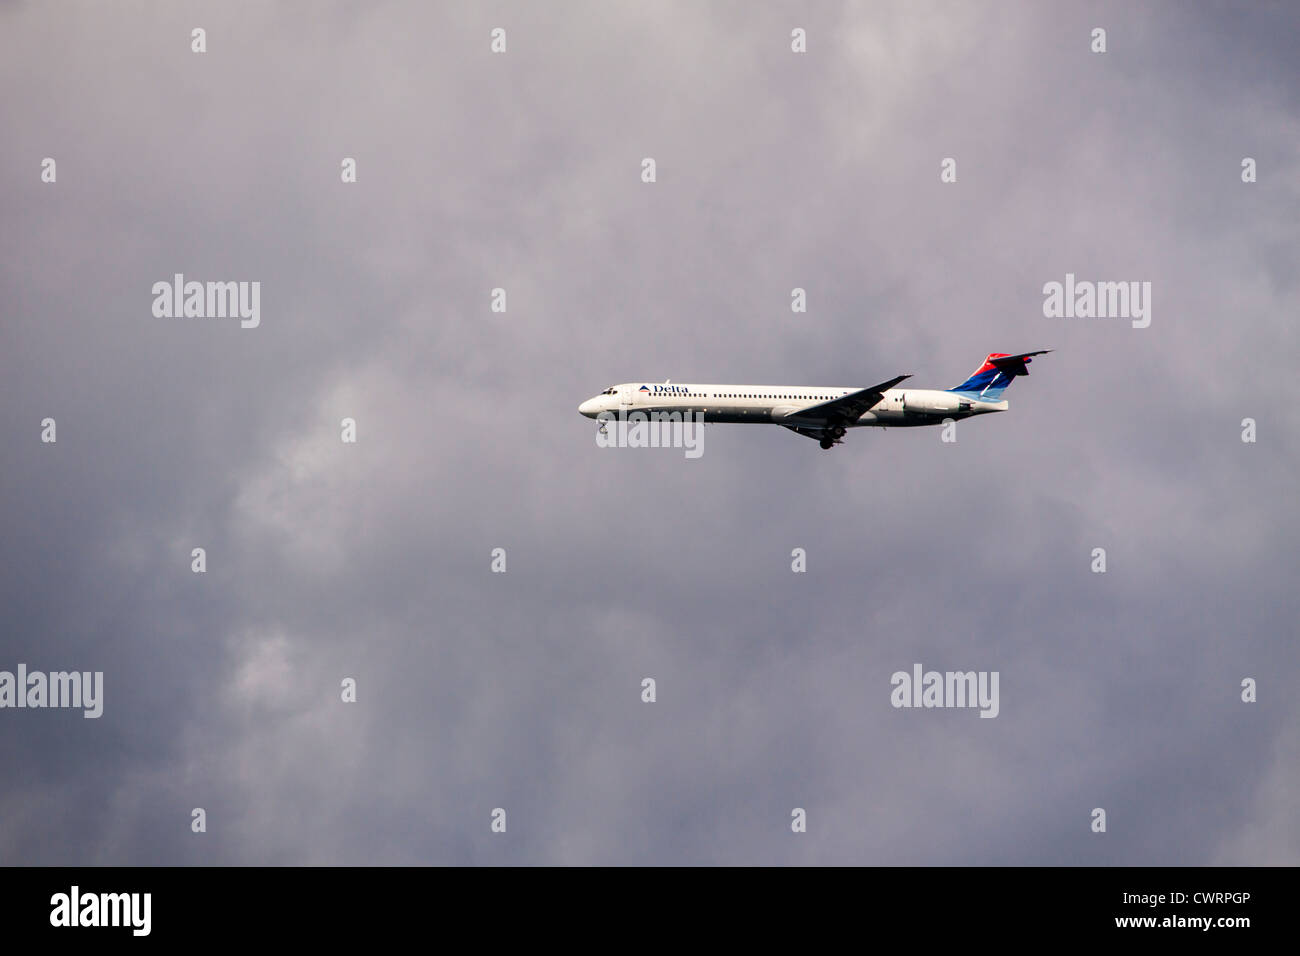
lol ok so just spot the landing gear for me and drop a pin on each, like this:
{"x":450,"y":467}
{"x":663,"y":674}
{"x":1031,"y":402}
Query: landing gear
{"x":831,"y":436}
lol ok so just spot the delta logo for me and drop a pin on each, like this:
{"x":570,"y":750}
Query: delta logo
{"x":664,"y":389}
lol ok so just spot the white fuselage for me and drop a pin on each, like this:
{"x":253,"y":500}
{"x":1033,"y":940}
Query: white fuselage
{"x":782,"y":404}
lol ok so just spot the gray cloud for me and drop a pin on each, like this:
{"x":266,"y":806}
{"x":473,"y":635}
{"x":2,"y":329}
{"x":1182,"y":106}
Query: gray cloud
{"x":479,"y":690}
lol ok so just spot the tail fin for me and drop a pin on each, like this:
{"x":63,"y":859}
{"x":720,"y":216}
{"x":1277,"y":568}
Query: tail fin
{"x":991,"y":379}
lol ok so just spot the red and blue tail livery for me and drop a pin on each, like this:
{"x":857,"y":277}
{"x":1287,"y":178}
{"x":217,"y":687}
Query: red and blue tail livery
{"x":991,"y":379}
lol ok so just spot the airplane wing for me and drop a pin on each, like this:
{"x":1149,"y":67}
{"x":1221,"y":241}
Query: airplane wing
{"x":814,"y":433}
{"x":847,"y":408}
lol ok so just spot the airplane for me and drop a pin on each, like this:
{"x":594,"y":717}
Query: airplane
{"x":823,"y":414}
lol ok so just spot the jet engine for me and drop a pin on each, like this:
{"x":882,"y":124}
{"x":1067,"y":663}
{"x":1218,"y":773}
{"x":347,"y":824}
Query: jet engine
{"x":940,"y":403}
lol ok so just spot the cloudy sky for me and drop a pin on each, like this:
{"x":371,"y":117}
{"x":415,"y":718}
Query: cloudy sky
{"x":522,"y":170}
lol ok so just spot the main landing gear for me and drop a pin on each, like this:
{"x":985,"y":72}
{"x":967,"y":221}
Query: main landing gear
{"x":832,"y":436}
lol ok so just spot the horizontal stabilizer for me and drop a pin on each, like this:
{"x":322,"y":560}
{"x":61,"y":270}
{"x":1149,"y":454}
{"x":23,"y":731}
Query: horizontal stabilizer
{"x":1013,"y":365}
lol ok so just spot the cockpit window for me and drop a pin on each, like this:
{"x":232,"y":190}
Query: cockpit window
{"x":608,"y":391}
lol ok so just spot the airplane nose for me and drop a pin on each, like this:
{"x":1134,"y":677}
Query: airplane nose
{"x":588,"y":408}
